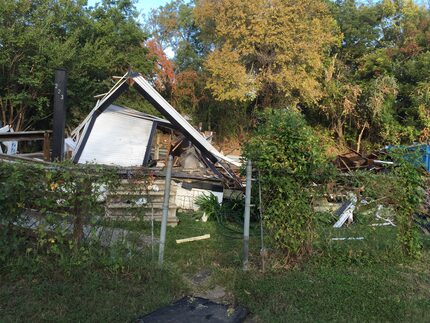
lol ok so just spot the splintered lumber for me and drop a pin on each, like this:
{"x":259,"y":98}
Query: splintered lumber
{"x":203,"y":237}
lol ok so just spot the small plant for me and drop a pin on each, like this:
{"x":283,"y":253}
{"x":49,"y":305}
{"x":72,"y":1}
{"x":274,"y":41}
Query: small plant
{"x":209,"y":205}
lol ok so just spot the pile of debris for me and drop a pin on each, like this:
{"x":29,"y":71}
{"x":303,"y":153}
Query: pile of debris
{"x":353,"y":160}
{"x":132,"y":140}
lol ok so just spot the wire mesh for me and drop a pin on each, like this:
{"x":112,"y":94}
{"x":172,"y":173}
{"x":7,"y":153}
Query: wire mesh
{"x":308,"y":212}
{"x":92,"y":205}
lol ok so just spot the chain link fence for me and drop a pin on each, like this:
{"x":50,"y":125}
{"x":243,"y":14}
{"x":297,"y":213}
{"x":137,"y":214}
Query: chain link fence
{"x":69,"y":205}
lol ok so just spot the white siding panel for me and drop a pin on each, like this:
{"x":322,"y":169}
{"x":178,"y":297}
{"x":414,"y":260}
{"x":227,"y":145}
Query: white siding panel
{"x":117,"y":139}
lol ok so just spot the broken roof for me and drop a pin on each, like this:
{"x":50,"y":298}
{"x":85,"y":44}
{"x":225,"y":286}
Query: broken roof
{"x":174,"y":118}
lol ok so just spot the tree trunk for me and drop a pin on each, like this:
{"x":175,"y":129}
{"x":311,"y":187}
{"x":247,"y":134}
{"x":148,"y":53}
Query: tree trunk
{"x":338,"y":129}
{"x":361,"y":135}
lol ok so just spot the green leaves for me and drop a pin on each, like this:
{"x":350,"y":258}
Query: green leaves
{"x":91,"y":43}
{"x":290,"y":160}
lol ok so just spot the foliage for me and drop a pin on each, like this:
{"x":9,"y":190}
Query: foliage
{"x":91,"y":43}
{"x":174,"y":26}
{"x":18,"y":188}
{"x":273,"y":51}
{"x":383,"y":42}
{"x":410,"y":197}
{"x":355,"y":68}
{"x":286,"y":152}
{"x":209,"y":205}
{"x":61,"y":195}
{"x":164,"y":77}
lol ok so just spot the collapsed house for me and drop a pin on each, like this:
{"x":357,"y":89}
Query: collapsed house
{"x":115,"y":135}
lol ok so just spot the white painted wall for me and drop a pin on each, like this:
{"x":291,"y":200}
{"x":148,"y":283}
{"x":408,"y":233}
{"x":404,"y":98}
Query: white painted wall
{"x":185,"y":198}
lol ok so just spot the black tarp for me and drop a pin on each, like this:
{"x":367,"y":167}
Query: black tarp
{"x":195,"y":309}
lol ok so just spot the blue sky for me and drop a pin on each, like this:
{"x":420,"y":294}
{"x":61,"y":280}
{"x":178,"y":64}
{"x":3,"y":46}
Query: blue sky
{"x":144,"y":6}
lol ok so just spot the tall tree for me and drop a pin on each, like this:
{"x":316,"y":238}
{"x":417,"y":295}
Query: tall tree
{"x":91,"y":43}
{"x":272,"y":51}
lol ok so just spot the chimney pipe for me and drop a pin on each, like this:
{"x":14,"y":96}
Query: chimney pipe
{"x":59,"y":115}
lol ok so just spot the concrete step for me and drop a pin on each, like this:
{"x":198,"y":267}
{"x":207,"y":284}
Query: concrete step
{"x":158,"y":182}
{"x":127,"y":214}
{"x":170,"y":222}
{"x":137,"y":192}
{"x":157,"y":205}
{"x":134,"y":200}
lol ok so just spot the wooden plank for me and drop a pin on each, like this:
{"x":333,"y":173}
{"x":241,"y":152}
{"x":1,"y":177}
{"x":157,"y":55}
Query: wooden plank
{"x":24,"y":135}
{"x":46,"y":148}
{"x":203,"y":237}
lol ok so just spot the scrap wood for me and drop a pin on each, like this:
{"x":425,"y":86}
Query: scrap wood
{"x":347,"y":238}
{"x":203,"y":237}
{"x":381,"y":224}
{"x":353,"y":160}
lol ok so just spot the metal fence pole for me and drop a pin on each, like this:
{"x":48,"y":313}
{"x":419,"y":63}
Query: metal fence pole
{"x":263,"y":252}
{"x":247,"y":214}
{"x":165,"y":209}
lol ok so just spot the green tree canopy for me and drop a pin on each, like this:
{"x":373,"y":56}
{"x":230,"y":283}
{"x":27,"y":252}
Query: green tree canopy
{"x":91,"y":43}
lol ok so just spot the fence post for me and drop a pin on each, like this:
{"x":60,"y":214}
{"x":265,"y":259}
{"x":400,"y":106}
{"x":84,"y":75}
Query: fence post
{"x":80,"y":209}
{"x":46,"y":148}
{"x":165,"y":209}
{"x":247,"y":214}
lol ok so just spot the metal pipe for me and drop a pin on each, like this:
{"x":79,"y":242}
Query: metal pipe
{"x":165,"y":209}
{"x":247,"y":214}
{"x":59,"y":115}
{"x":262,"y":250}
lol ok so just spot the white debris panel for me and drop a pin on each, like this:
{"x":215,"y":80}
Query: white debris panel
{"x":11,"y":146}
{"x":117,"y":138}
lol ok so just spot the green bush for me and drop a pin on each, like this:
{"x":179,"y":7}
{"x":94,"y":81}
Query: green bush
{"x":291,"y":163}
{"x":20,"y":186}
{"x":409,"y":193}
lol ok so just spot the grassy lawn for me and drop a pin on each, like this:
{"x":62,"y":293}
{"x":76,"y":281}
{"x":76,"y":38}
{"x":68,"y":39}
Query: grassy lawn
{"x":318,"y":291}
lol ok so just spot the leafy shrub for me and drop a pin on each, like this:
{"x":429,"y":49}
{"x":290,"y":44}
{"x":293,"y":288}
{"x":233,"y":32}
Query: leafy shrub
{"x":290,"y":161}
{"x":20,"y":185}
{"x":410,"y":196}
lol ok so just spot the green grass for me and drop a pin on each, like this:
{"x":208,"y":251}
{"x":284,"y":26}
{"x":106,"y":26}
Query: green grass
{"x":329,"y":289}
{"x":93,"y":295}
